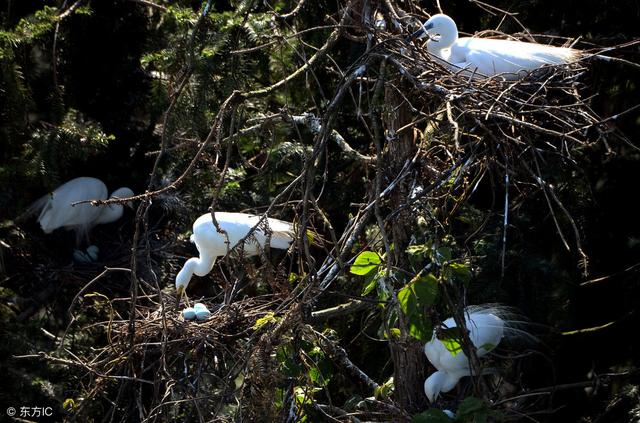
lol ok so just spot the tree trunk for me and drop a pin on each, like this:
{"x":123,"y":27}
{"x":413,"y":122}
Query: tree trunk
{"x":407,"y":354}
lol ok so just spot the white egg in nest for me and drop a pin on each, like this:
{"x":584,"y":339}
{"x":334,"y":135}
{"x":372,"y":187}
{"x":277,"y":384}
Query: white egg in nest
{"x":189,"y":313}
{"x":202,"y":312}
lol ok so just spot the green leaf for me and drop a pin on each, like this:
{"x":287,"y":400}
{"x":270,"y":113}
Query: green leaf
{"x":461,"y":271}
{"x":316,"y":376}
{"x":288,"y":367}
{"x":322,"y":369}
{"x":84,"y":10}
{"x":69,"y":405}
{"x":394,"y":333}
{"x":304,"y":395}
{"x":311,"y":237}
{"x":371,"y":281}
{"x":421,"y":249}
{"x":415,"y":298}
{"x":452,"y":346}
{"x":267,"y":318}
{"x":443,"y":254}
{"x":385,"y":390}
{"x":181,"y":14}
{"x":420,"y":291}
{"x":432,"y":415}
{"x":366,"y":262}
{"x":450,"y":338}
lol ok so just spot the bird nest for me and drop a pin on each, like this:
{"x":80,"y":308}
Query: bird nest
{"x":225,"y":323}
{"x":465,"y":126}
{"x":550,"y":103}
{"x":203,"y":364}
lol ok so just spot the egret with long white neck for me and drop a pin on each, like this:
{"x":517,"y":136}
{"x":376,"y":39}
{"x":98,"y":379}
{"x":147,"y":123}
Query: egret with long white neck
{"x":486,"y":330}
{"x":212,"y":244}
{"x":485,"y":57}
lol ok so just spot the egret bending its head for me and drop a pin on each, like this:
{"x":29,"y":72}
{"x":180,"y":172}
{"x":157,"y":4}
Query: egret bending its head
{"x":486,"y":330}
{"x":57,"y":209}
{"x":212,"y":244}
{"x":488,"y":57}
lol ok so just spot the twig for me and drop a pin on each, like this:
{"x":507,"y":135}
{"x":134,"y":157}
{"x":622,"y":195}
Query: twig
{"x":294,"y":12}
{"x":315,"y":126}
{"x":340,"y":310}
{"x":64,"y":362}
{"x":339,"y":354}
{"x":150,"y":4}
{"x":604,"y":278}
{"x":317,"y":57}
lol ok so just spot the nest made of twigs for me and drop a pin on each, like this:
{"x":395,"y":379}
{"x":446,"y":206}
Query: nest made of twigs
{"x":551,"y":101}
{"x":226,"y":322}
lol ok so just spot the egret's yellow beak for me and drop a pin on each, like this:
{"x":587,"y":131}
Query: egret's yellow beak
{"x":179,"y":294}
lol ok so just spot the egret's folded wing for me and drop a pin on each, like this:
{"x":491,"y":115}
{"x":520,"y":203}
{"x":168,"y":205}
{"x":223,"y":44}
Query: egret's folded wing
{"x":492,"y":57}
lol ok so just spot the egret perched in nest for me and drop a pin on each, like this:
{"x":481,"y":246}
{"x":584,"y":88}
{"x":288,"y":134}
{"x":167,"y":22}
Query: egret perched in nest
{"x":57,"y":209}
{"x":512,"y":60}
{"x":212,"y":244}
{"x":486,"y":330}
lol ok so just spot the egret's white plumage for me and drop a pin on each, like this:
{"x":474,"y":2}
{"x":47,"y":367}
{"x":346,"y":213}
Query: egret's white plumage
{"x":57,"y":210}
{"x":486,"y":330}
{"x":489,"y":57}
{"x":212,"y":244}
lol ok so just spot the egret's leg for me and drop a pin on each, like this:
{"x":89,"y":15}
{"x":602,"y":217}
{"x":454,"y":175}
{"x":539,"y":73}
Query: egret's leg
{"x":82,"y":236}
{"x":182,"y":294}
{"x":182,"y":279}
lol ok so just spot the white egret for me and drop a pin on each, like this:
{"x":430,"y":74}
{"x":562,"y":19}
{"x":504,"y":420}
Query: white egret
{"x":487,"y":57}
{"x":486,"y":330}
{"x":57,"y":209}
{"x":212,"y":244}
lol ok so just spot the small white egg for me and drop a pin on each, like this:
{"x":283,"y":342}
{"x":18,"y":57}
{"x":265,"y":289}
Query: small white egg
{"x":189,"y":313}
{"x":202,"y":314}
{"x":449,"y":414}
{"x":92,"y":251}
{"x":199,"y":306}
{"x":81,"y":257}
